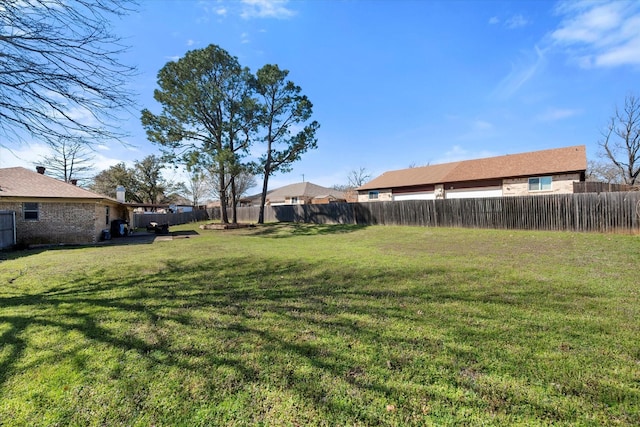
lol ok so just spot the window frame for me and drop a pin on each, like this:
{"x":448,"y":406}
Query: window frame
{"x":372,"y":193}
{"x":544,"y":183}
{"x":29,"y":211}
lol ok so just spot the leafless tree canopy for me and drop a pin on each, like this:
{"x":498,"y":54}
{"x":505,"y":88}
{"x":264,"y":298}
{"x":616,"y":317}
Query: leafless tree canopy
{"x":244,"y":181}
{"x":70,"y":160}
{"x":198,"y":187}
{"x":621,"y":142}
{"x":60,"y":76}
{"x":358,"y":177}
{"x":603,"y":171}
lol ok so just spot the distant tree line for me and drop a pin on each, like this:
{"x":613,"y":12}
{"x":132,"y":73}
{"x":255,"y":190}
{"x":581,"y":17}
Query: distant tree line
{"x":143,"y":183}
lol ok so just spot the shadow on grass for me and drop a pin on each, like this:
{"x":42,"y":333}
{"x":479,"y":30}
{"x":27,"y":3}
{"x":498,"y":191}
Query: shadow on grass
{"x":233,"y":308}
{"x":340,"y":341}
{"x":138,"y":238}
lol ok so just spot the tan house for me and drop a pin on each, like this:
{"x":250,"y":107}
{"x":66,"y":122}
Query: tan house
{"x":301,"y":193}
{"x":50,"y":211}
{"x":540,"y":172}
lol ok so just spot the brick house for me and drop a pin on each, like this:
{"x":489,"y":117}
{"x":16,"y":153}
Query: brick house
{"x":301,"y":193}
{"x":540,"y":172}
{"x":50,"y":211}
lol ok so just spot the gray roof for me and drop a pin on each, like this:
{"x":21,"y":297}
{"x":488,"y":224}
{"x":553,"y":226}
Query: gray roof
{"x":21,"y":182}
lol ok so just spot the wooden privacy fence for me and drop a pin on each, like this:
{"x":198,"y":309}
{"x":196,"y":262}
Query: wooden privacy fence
{"x":603,"y":212}
{"x":600,"y":187}
{"x":143,"y":220}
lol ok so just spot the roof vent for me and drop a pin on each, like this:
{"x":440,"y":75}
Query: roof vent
{"x":40,"y":169}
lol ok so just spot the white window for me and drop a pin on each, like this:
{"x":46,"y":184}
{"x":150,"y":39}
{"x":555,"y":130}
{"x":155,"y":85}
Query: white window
{"x":542,"y":183}
{"x":373,"y":195}
{"x":294,"y":200}
{"x":30,"y":211}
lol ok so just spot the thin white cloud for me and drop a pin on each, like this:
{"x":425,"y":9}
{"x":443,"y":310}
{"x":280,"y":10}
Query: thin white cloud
{"x":266,"y":9}
{"x":555,"y":114}
{"x":190,"y":42}
{"x":24,"y":155}
{"x":513,"y":22}
{"x":244,"y":38}
{"x":246,"y":9}
{"x":599,"y":34}
{"x":28,"y":155}
{"x":458,"y":153}
{"x":521,"y":72}
{"x":475,"y":130}
{"x":482,"y":125}
{"x":516,"y":21}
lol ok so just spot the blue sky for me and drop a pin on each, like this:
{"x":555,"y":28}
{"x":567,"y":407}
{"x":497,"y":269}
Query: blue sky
{"x":397,"y":83}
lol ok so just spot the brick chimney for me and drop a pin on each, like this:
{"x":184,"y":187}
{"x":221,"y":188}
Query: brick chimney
{"x":40,"y":169}
{"x":120,"y":192}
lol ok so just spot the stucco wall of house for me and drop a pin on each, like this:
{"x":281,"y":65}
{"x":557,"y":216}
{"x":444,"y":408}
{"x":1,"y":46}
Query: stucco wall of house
{"x":560,"y":184}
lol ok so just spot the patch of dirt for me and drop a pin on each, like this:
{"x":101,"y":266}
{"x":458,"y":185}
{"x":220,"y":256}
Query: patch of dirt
{"x":226,"y":226}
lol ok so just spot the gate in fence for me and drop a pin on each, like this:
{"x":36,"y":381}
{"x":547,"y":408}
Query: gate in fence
{"x":7,"y":229}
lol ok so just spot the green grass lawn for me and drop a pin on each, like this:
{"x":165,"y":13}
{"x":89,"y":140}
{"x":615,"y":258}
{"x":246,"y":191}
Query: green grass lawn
{"x":325,"y":325}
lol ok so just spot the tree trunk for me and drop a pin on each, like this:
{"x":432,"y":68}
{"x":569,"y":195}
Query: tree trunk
{"x":234,"y":205}
{"x":224,"y":218}
{"x":263,"y":197}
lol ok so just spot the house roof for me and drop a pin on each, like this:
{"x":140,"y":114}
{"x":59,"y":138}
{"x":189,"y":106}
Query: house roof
{"x":302,"y":189}
{"x":545,"y":162}
{"x":21,"y":182}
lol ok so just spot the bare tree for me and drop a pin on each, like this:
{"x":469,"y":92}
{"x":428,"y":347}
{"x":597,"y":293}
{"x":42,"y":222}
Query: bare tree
{"x":416,"y":165}
{"x":243,"y":181}
{"x":198,"y":186}
{"x":69,"y":161}
{"x":621,"y":141}
{"x":602,"y":171}
{"x":358,"y":177}
{"x":59,"y":70}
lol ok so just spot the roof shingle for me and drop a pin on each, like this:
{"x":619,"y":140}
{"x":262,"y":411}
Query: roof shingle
{"x":545,"y":162}
{"x":21,"y":182}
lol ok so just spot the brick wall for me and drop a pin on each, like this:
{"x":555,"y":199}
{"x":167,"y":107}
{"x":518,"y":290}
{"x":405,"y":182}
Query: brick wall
{"x":383,"y":196}
{"x":58,"y":222}
{"x":560,"y":184}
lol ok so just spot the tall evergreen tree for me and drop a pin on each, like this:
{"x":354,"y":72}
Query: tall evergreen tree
{"x":283,"y":108}
{"x":207,"y":115}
